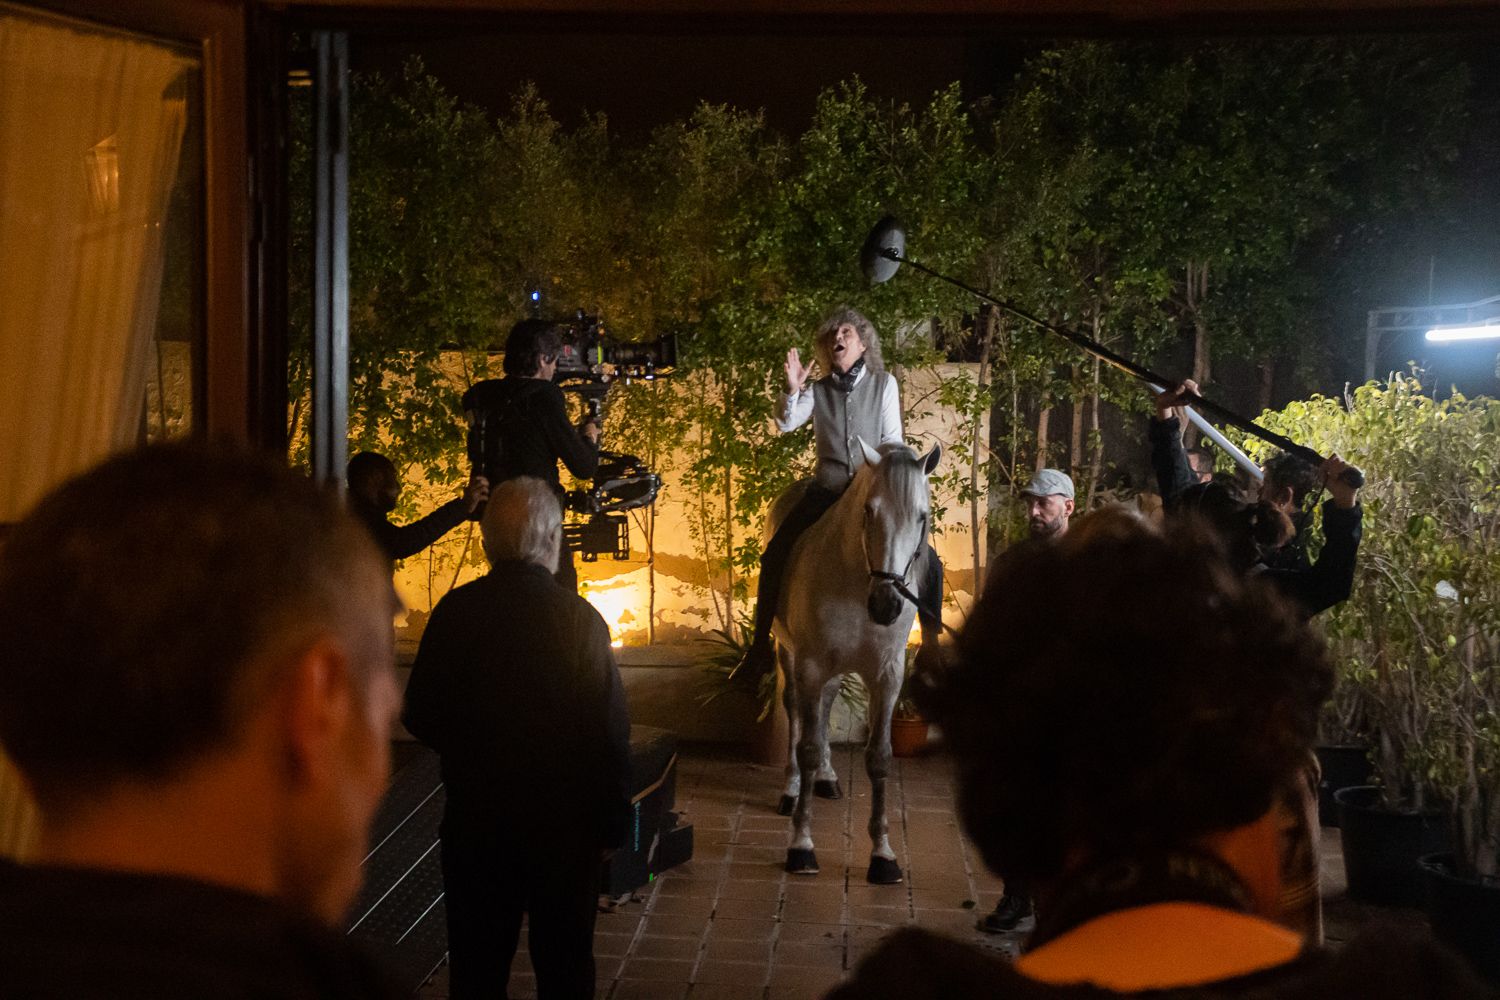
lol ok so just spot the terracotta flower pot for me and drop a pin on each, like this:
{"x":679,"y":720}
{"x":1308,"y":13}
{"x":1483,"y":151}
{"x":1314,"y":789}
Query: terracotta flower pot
{"x":908,"y":736}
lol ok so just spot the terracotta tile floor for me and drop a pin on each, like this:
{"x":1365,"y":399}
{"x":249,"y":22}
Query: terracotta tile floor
{"x":731,"y":925}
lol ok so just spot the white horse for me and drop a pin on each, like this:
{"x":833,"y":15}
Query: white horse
{"x":846,"y":608}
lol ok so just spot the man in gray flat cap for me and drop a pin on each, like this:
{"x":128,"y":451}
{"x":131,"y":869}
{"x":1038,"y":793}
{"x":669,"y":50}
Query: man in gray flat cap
{"x":1049,"y":504}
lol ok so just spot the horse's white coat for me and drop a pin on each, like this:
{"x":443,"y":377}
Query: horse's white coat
{"x":825,"y":626}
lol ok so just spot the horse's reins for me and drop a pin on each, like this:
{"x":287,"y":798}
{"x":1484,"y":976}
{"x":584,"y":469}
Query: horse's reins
{"x":898,"y":581}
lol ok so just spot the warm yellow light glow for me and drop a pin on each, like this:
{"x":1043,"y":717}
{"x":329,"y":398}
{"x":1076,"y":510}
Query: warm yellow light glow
{"x":103,"y":166}
{"x":623,"y":606}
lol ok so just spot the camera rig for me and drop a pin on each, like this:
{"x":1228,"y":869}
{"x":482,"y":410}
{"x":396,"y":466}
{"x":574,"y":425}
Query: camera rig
{"x":589,"y":364}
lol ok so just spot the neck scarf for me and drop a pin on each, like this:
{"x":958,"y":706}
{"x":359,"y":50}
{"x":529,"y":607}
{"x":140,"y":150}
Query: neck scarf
{"x":845,"y":380}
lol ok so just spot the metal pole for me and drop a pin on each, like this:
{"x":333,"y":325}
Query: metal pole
{"x":1124,"y":364}
{"x":1212,"y":433}
{"x":330,"y":285}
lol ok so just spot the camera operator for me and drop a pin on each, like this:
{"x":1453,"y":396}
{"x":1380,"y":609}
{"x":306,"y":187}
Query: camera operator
{"x":519,"y":424}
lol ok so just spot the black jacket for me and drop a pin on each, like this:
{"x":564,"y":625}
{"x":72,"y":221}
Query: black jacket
{"x":1378,"y":965}
{"x":515,"y":687}
{"x":531,"y":421}
{"x":1314,"y":587}
{"x":83,"y":934}
{"x":401,"y":541}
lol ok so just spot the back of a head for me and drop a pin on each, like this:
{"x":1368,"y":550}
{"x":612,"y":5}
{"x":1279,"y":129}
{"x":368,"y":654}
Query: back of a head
{"x":1083,"y":717}
{"x":522,"y":522}
{"x":1286,"y":471}
{"x":528,"y":343}
{"x":150,"y":602}
{"x":1245,"y":530}
{"x":367,"y":474}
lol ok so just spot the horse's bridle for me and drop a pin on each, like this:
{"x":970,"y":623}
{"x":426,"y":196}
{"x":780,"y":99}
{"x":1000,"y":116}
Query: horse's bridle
{"x":898,"y":580}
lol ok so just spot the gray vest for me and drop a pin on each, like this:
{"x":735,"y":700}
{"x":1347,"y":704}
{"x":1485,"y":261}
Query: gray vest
{"x":840,"y":418}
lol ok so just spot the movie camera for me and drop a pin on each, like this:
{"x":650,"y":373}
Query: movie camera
{"x":590,"y":361}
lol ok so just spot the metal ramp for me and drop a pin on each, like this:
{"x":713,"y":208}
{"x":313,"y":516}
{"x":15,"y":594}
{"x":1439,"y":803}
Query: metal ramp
{"x":398,"y":914}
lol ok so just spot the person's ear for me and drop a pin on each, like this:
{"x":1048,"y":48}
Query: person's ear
{"x":318,"y":706}
{"x":1067,"y":508}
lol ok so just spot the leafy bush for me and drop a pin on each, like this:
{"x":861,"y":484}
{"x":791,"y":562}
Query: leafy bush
{"x":1418,"y":642}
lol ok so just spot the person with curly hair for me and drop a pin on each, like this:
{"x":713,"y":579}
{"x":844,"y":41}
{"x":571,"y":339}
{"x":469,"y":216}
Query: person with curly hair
{"x":855,"y":399}
{"x":1130,"y":775}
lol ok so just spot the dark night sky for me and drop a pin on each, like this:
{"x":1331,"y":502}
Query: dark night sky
{"x":642,"y":80}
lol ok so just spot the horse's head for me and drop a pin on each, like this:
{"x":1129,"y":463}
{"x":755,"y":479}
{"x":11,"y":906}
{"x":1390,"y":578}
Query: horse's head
{"x":895,"y":524}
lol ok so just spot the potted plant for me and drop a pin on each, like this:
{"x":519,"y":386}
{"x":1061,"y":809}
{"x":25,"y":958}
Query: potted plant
{"x":769,"y":742}
{"x":1343,"y":748}
{"x":1396,"y":668}
{"x":908,"y":728}
{"x":1463,"y":885}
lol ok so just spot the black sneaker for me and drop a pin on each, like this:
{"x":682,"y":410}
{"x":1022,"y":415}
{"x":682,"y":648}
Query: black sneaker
{"x":1009,"y":913}
{"x":758,"y":661}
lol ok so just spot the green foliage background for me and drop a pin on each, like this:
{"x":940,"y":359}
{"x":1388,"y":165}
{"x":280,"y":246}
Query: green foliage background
{"x":1169,"y":199}
{"x":1418,"y":642}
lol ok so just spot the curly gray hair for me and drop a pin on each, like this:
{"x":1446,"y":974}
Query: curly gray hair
{"x":823,"y":339}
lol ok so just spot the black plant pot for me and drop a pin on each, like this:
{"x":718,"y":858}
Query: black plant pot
{"x":1381,"y":847}
{"x":1343,"y":765}
{"x":1465,"y":914}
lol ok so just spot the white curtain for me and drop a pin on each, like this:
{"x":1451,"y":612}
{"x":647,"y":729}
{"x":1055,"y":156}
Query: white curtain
{"x":91,"y":128}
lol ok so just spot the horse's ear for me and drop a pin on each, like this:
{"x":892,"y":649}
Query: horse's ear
{"x":930,"y":460}
{"x":872,"y":457}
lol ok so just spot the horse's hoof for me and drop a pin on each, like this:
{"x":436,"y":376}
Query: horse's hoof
{"x":787,"y":805}
{"x":883,"y":871}
{"x":801,"y":861}
{"x":828,"y":789}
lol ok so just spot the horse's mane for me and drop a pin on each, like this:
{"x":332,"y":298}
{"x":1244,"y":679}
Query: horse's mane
{"x":864,"y":479}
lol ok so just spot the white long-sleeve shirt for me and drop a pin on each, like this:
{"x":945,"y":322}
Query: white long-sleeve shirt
{"x":841,"y":419}
{"x":796,"y":409}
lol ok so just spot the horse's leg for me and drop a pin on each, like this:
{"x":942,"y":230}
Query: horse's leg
{"x":883,"y":867}
{"x":786,"y":663}
{"x":826,"y":783}
{"x":800,"y":857}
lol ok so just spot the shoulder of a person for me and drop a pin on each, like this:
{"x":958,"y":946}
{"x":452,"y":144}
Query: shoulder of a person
{"x":461,"y":598}
{"x":585,"y":616}
{"x":482,"y":391}
{"x":918,"y":964}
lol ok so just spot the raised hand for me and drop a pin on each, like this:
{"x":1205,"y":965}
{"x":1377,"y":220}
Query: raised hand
{"x":796,"y":372}
{"x":477,"y":492}
{"x":1343,"y":492}
{"x":1172,"y":399}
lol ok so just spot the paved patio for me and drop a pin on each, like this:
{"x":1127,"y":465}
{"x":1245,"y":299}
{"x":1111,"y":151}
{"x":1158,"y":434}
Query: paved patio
{"x":731,"y":925}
